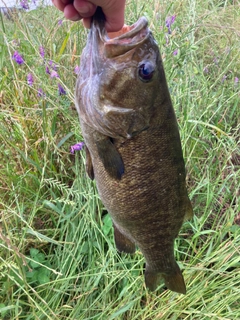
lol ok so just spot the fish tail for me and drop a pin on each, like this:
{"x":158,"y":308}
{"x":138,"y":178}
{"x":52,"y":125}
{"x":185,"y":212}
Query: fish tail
{"x":174,"y":280}
{"x":152,"y":279}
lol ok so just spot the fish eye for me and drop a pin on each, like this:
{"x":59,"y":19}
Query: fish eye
{"x":146,"y":71}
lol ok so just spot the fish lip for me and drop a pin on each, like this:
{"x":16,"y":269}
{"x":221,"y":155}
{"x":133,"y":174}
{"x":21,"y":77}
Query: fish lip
{"x":134,"y":29}
{"x":136,"y":34}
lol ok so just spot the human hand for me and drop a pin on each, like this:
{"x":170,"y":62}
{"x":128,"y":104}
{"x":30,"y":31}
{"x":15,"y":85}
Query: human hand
{"x":84,"y":9}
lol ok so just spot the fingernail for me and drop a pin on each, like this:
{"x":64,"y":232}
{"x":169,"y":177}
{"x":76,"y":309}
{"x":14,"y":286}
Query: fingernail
{"x":76,"y":17}
{"x":84,"y":9}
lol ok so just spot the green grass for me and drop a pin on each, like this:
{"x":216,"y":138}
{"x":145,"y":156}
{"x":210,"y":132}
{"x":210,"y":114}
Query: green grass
{"x":57,"y":255}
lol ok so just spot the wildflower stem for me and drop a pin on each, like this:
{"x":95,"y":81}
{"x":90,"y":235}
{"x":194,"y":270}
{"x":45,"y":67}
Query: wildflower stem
{"x":16,"y":83}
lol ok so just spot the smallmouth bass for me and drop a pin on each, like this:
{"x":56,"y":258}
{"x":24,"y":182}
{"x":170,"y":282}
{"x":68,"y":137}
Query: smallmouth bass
{"x":132,"y":143}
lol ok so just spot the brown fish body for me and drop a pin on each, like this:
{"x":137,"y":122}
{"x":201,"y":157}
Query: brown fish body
{"x":133,"y":146}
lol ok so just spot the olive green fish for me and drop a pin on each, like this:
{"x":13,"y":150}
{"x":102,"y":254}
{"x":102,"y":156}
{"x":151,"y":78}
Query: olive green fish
{"x":133,"y":148}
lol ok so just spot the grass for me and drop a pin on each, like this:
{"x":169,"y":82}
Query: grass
{"x":57,"y":255}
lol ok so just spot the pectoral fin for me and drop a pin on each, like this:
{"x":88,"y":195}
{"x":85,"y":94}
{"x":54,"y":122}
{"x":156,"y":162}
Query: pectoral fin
{"x":89,"y":165}
{"x":110,"y":158}
{"x":123,"y":244}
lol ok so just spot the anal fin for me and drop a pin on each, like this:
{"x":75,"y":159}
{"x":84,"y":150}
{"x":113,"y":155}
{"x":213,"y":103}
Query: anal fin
{"x":123,"y":244}
{"x":110,"y":158}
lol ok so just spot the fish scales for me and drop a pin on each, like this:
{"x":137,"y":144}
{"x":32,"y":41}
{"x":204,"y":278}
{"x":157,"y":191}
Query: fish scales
{"x":133,"y":147}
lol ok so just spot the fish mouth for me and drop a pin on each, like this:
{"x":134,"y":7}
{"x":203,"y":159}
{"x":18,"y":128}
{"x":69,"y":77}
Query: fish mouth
{"x":118,"y":43}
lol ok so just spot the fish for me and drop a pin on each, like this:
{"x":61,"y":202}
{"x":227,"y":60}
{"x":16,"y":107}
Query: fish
{"x":133,"y":146}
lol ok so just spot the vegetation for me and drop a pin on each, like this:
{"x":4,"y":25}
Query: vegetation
{"x":57,"y":255}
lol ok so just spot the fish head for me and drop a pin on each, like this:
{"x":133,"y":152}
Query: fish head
{"x":121,"y":79}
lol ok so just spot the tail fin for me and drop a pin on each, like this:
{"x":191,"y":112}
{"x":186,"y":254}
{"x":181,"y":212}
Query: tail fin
{"x":174,"y":281}
{"x":152,"y":279}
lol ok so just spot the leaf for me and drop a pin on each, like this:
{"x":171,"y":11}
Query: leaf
{"x":4,"y":309}
{"x":84,"y":248}
{"x":41,"y":236}
{"x":219,"y":131}
{"x":34,"y":264}
{"x":42,"y":278}
{"x":64,"y":139}
{"x":32,"y":276}
{"x":107,"y":224}
{"x":63,"y":46}
{"x":122,"y":310}
{"x":40,"y":257}
{"x":33,"y":252}
{"x":53,"y":207}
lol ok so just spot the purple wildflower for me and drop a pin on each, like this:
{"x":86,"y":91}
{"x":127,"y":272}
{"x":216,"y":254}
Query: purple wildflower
{"x":30,"y":79}
{"x":16,"y":43}
{"x":228,"y":50}
{"x":52,"y":65}
{"x":205,"y":70}
{"x":175,"y":52}
{"x":169,"y":21}
{"x":18,"y":58}
{"x":60,"y":22}
{"x":224,"y":78}
{"x":24,"y":4}
{"x":54,"y":74}
{"x":236,"y":80}
{"x":61,"y":90}
{"x":215,"y":60}
{"x":48,"y":70}
{"x":40,"y":93}
{"x":76,"y":147}
{"x":77,"y":69}
{"x":42,"y":51}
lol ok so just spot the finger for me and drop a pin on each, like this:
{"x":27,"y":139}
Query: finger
{"x":87,"y":22}
{"x":114,"y":13}
{"x":60,"y":4}
{"x":85,"y":8}
{"x":71,"y":13}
